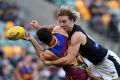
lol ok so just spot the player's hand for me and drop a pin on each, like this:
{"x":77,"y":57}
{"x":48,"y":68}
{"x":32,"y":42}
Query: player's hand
{"x":51,"y":27}
{"x":41,"y":57}
{"x":27,"y":37}
{"x":48,"y":63}
{"x":34,"y":24}
{"x":88,"y":71}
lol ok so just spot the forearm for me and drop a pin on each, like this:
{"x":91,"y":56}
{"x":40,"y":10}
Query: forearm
{"x":39,"y":27}
{"x":68,"y":59}
{"x":36,"y":25}
{"x":45,"y":26}
{"x":37,"y":47}
{"x":61,"y":61}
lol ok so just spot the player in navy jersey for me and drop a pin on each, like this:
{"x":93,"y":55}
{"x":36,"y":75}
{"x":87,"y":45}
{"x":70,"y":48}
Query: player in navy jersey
{"x":106,"y":63}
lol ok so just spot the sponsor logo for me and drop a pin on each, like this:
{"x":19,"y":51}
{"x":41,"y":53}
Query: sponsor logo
{"x":96,"y":45}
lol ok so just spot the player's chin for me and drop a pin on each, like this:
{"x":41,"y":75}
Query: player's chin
{"x":65,"y":29}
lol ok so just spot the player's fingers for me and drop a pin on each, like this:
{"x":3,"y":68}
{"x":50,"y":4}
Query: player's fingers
{"x":32,"y":24}
{"x":34,"y":21}
{"x":51,"y":27}
{"x":28,"y":35}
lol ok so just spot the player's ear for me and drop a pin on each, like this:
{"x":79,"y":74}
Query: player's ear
{"x":72,"y":20}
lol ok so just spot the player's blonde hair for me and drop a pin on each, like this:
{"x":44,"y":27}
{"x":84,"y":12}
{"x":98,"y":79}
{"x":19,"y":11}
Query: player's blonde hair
{"x":68,"y":11}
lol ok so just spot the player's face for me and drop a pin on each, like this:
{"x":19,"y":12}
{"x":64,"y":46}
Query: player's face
{"x":65,"y":23}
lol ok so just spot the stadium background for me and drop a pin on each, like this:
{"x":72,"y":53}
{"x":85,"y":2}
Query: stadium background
{"x":99,"y":18}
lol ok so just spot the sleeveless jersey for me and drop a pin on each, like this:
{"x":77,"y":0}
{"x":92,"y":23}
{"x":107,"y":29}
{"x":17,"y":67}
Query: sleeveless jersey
{"x":91,"y":50}
{"x":26,"y":73}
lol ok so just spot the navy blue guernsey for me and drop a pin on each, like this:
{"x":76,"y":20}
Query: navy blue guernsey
{"x":91,"y":50}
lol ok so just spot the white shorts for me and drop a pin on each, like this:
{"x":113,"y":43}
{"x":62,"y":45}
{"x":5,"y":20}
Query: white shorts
{"x":108,"y":69}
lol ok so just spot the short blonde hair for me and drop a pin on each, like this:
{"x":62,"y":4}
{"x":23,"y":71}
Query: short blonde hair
{"x":68,"y":11}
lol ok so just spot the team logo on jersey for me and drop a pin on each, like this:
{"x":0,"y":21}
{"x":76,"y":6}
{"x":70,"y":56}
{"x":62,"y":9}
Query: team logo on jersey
{"x":96,"y":45}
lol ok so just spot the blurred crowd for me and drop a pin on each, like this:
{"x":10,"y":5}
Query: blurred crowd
{"x":21,"y":63}
{"x":102,"y":16}
{"x":18,"y":58}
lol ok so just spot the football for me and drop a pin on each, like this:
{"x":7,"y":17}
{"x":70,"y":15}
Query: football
{"x":15,"y":33}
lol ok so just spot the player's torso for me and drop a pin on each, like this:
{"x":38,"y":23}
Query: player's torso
{"x":26,"y":72}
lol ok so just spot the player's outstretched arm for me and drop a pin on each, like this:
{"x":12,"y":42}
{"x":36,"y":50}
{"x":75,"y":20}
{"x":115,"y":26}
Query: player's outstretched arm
{"x":35,"y":44}
{"x":43,"y":55}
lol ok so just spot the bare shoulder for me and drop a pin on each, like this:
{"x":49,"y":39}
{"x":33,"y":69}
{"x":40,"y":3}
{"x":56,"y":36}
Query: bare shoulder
{"x":79,"y":36}
{"x":58,"y":29}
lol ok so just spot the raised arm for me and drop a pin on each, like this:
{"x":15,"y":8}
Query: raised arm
{"x":43,"y":55}
{"x":36,"y":25}
{"x":77,"y":39}
{"x":35,"y":44}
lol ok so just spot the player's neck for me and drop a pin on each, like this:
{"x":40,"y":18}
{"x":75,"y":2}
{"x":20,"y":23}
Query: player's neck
{"x":71,"y":28}
{"x":53,"y":42}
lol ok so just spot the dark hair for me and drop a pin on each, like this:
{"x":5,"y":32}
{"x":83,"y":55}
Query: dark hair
{"x":44,"y":35}
{"x":1,"y":54}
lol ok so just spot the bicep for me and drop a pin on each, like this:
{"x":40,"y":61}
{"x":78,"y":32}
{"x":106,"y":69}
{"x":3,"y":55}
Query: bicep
{"x":74,"y":46}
